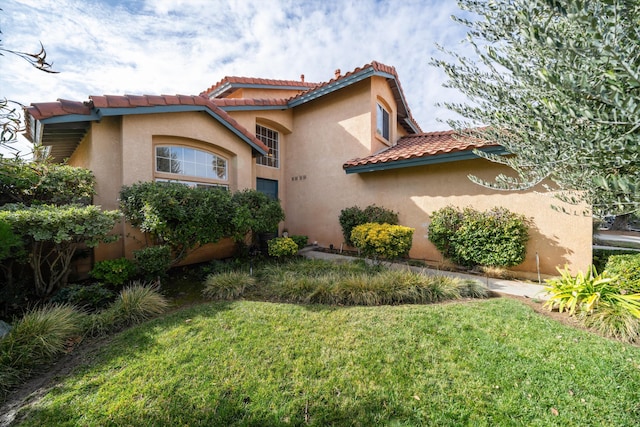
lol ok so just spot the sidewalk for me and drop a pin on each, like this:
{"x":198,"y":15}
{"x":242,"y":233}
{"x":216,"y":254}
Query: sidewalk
{"x":510,"y":287}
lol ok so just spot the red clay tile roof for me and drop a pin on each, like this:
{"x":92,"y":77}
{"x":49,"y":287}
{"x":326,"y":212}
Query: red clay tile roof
{"x":63,"y":107}
{"x":396,"y":87}
{"x":419,"y":146}
{"x":231,"y":80}
{"x":236,"y":102}
{"x":45,"y":110}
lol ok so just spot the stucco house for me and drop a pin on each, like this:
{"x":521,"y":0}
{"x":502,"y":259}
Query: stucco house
{"x":318,"y":147}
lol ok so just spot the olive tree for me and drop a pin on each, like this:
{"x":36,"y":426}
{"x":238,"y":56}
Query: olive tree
{"x":557,"y":83}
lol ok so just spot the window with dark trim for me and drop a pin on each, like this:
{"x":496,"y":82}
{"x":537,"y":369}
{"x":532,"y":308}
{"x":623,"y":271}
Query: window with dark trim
{"x":271,"y":139}
{"x":382,"y":122}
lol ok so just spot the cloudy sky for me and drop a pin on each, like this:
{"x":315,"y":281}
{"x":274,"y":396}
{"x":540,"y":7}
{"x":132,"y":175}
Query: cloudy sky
{"x":184,"y":46}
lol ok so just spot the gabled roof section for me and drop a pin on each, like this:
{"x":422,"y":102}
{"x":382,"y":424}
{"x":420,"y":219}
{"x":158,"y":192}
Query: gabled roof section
{"x":405,"y":118}
{"x":423,"y":149}
{"x":239,"y":104}
{"x":229,"y":84}
{"x":63,"y":124}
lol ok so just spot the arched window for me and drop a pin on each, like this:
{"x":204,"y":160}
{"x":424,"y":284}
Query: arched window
{"x":190,"y":164}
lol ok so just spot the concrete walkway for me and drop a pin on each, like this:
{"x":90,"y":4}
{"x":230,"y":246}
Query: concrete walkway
{"x":510,"y":287}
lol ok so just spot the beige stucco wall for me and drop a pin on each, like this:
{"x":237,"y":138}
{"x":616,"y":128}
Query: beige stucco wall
{"x":341,"y":126}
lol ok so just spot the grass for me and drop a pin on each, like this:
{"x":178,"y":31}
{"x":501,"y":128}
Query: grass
{"x":247,"y":363}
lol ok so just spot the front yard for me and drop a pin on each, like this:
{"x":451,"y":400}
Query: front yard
{"x":484,"y":362}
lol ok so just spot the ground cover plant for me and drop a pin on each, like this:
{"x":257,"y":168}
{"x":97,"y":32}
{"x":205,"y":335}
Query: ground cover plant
{"x":487,"y":362}
{"x":45,"y":332}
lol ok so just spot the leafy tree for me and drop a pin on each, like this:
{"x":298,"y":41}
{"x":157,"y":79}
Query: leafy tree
{"x":54,"y":233}
{"x":44,"y":182}
{"x":178,"y":216}
{"x":557,"y":83}
{"x":254,"y":213}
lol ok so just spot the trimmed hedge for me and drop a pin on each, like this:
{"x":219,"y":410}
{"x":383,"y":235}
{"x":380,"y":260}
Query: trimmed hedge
{"x":354,"y":216}
{"x":383,"y":240}
{"x":494,"y":238}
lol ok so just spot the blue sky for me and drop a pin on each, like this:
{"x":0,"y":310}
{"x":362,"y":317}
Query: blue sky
{"x":184,"y":46}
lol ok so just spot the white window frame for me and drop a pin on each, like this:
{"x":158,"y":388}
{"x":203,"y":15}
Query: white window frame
{"x":383,"y":118}
{"x":271,"y":139}
{"x":191,"y":166}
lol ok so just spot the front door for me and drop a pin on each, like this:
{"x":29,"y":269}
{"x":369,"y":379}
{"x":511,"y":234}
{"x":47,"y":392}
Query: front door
{"x":268,"y":187}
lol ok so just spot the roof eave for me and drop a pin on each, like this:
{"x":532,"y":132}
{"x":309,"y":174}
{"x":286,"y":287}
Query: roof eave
{"x":98,"y":113}
{"x":424,"y":161}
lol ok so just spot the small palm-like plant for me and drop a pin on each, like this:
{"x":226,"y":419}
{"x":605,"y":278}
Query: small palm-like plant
{"x":599,"y":301}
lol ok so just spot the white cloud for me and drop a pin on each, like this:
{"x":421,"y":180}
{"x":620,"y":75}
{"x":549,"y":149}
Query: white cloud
{"x":185,"y":46}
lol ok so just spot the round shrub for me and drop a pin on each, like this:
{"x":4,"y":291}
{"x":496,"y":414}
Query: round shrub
{"x":300,"y":240}
{"x":444,"y":225}
{"x":282,"y":247}
{"x":154,"y":261}
{"x":383,"y":240}
{"x":114,"y":271}
{"x":354,"y":216}
{"x":92,"y":297}
{"x":494,"y":238}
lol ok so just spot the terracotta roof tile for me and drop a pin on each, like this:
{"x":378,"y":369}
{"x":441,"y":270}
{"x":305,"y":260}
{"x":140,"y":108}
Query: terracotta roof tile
{"x":419,"y":146}
{"x":231,"y":80}
{"x":234,"y":102}
{"x":377,"y":66}
{"x":46,"y":110}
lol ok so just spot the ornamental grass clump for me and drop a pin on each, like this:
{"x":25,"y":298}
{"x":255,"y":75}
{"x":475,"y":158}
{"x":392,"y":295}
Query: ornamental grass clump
{"x":39,"y":336}
{"x":358,"y":284}
{"x":135,"y":304}
{"x":228,"y":285}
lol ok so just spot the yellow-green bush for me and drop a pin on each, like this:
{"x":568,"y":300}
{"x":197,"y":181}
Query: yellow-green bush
{"x":382,"y":240}
{"x":282,"y":247}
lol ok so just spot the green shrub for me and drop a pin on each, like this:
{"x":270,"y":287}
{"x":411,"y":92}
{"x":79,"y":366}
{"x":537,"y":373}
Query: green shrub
{"x":114,"y":271}
{"x":383,"y":240}
{"x":601,"y":256}
{"x":598,"y":300}
{"x":443,"y":227}
{"x":52,"y":235}
{"x":92,"y":297}
{"x":494,"y":238}
{"x":300,"y":240}
{"x":227,"y":286}
{"x":35,"y":339}
{"x":282,"y":247}
{"x":153,"y":262}
{"x":354,"y":216}
{"x":178,"y":216}
{"x":135,"y":303}
{"x":254,"y":213}
{"x":627,"y":269}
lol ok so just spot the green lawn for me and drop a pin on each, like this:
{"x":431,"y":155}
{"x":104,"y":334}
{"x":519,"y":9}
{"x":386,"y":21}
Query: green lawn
{"x":491,"y":362}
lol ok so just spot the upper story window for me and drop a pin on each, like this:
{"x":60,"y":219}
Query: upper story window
{"x":189,"y":162}
{"x":271,"y":139}
{"x":382,"y":122}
